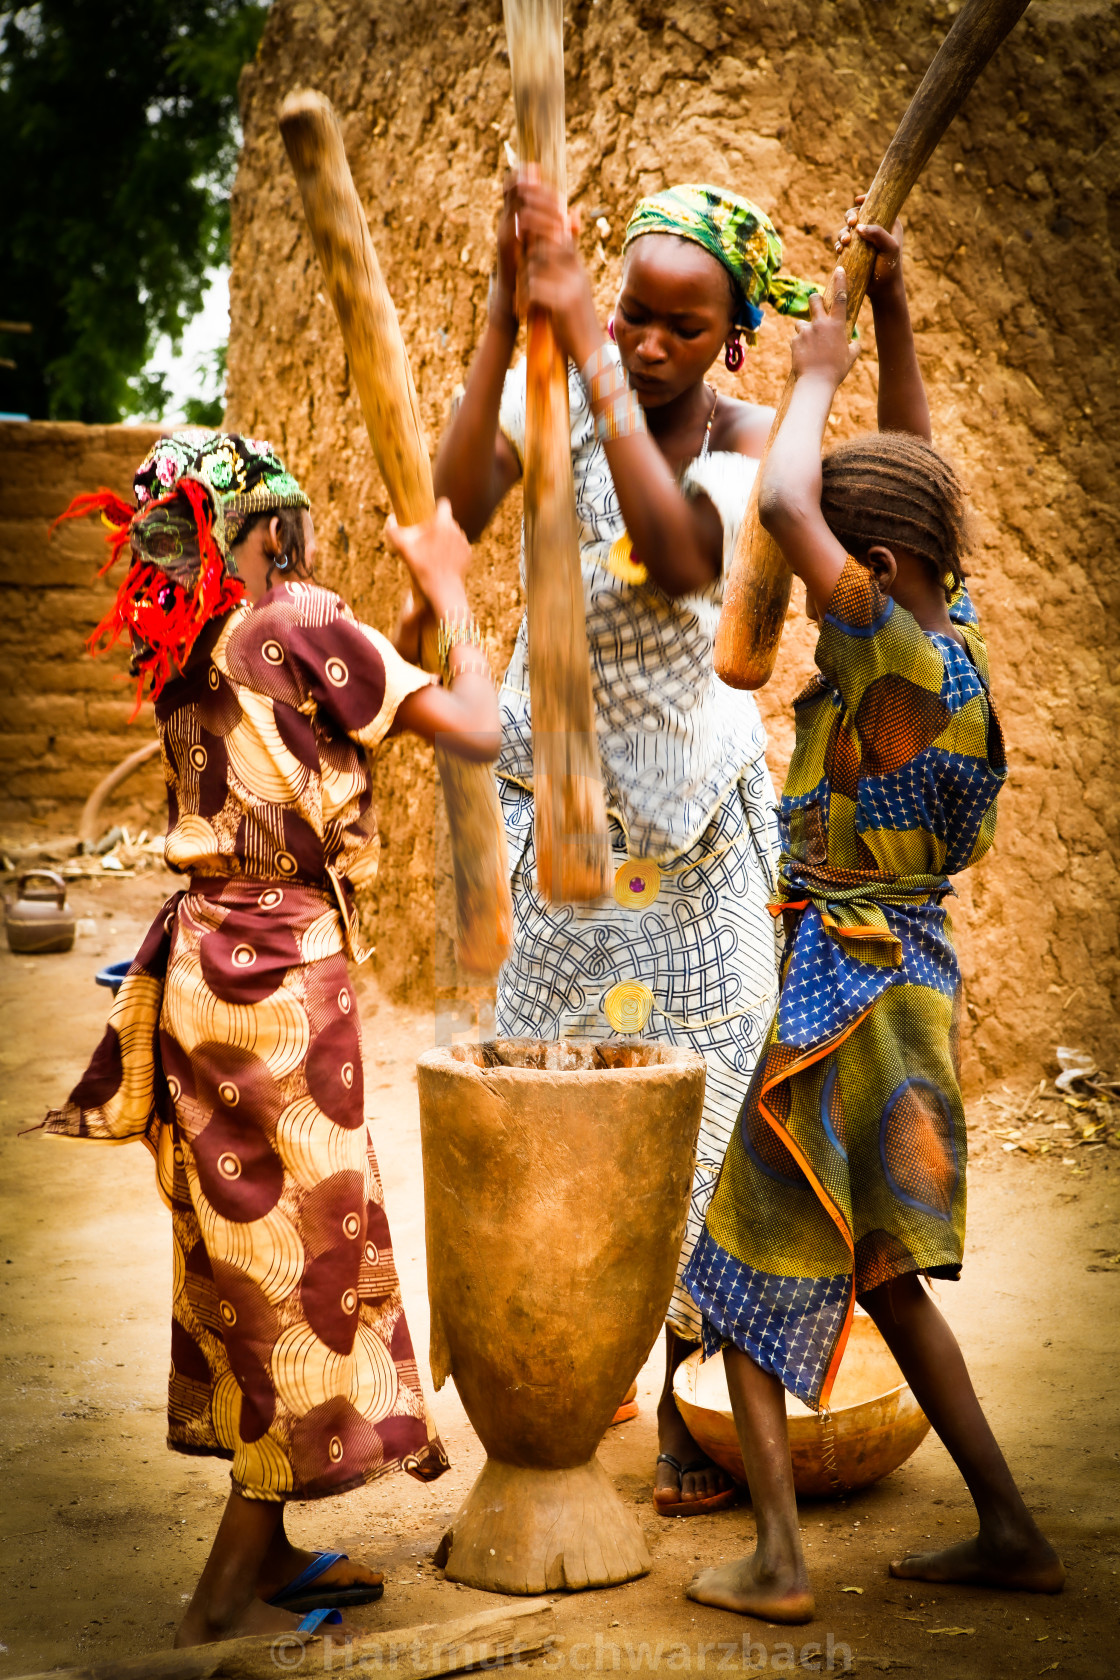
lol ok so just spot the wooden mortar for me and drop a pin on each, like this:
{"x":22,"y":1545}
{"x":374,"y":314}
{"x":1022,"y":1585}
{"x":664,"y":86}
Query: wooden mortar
{"x":556,"y":1184}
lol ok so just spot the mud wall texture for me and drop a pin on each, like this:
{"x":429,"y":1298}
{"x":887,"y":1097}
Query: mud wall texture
{"x":1012,"y":243}
{"x":63,"y":716}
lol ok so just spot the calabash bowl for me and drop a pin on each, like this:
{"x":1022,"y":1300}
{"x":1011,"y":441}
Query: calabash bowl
{"x":873,"y":1425}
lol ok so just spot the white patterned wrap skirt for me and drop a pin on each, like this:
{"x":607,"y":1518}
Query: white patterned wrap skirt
{"x":692,"y":815}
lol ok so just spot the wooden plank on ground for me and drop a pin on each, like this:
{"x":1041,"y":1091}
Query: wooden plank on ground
{"x":483,"y":1639}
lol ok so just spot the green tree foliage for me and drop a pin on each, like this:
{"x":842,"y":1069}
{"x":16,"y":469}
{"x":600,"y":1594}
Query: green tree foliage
{"x":118,"y":130}
{"x":208,"y":411}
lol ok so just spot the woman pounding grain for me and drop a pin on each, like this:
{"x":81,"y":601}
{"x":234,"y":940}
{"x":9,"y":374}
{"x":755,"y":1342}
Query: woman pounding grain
{"x":233,"y":1048}
{"x":663,"y":468}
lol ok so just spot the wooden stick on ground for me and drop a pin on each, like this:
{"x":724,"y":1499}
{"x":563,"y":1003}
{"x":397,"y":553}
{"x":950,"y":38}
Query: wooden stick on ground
{"x":383,"y":378}
{"x":573,"y":853}
{"x":482,"y":1640}
{"x":758,"y":583}
{"x":89,"y":827}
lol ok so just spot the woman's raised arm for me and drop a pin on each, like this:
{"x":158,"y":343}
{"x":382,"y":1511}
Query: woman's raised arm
{"x":679,"y":538}
{"x":463,"y":714}
{"x":475,"y":466}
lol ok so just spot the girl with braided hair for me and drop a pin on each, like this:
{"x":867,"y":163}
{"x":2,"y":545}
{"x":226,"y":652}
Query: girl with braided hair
{"x":845,"y":1177}
{"x":233,"y":1049}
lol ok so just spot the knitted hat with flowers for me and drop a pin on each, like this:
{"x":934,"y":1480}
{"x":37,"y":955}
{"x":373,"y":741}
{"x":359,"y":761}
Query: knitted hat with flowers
{"x":192,"y":493}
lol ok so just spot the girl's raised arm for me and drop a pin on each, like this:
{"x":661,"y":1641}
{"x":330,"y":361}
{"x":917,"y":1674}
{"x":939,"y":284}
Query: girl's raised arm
{"x":789,"y":493}
{"x":902,"y":393}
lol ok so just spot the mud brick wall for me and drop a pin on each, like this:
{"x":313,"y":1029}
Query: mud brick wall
{"x":63,"y":715}
{"x":1013,"y":240}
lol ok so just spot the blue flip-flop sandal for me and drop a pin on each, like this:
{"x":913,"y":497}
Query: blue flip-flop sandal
{"x":314,"y":1621}
{"x":302,"y":1593}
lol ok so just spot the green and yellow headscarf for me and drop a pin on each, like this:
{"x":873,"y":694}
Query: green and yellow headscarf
{"x":739,"y":235}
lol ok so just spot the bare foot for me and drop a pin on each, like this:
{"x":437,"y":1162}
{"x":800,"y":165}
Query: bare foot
{"x":199,"y":1629}
{"x":284,"y":1562}
{"x":752,"y":1590}
{"x":1033,"y":1566}
{"x":673,"y":1437}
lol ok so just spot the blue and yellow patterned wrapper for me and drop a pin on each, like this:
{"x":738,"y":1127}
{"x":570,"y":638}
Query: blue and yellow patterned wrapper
{"x":846,"y":1167}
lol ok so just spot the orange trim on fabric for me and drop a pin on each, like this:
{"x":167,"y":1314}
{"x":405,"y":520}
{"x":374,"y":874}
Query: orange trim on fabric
{"x":816,"y":1055}
{"x":831,"y":925}
{"x":795,"y":1150}
{"x":791,"y":904}
{"x":861,"y":933}
{"x":826,"y":1201}
{"x":841,"y":1348}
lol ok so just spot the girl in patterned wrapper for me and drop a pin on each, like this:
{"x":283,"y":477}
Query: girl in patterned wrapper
{"x":845,"y":1176}
{"x":233,"y":1048}
{"x":663,"y":469}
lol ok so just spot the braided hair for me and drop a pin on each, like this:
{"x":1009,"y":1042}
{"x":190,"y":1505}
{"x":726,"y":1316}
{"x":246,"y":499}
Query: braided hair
{"x":893,"y":488}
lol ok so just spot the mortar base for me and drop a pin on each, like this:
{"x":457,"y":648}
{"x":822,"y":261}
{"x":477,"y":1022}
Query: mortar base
{"x":535,"y":1531}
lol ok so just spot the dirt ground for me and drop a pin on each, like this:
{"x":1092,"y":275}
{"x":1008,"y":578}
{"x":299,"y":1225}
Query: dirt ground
{"x":104,"y":1531}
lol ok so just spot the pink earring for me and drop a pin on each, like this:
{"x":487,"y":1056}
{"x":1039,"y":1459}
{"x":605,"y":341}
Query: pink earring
{"x":733,"y":357}
{"x":610,"y":329}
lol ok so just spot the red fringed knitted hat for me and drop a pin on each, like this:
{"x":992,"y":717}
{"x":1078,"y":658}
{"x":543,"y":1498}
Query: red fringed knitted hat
{"x":193,"y":493}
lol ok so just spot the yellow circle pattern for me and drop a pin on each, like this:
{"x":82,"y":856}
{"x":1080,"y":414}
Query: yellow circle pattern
{"x":375,"y":1386}
{"x":637,"y":884}
{"x":225,"y":1408}
{"x":165,"y":1168}
{"x":621,"y":562}
{"x":269,"y":1250}
{"x":627,"y":1006}
{"x":263,"y":1466}
{"x":306,"y":1373}
{"x":313,"y":1148}
{"x":276,"y":1029}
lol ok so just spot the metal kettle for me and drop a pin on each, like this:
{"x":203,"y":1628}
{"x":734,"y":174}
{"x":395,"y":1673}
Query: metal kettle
{"x":38,"y":920}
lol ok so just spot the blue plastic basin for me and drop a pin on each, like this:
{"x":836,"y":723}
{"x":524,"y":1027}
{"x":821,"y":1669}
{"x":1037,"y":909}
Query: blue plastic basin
{"x":112,"y":975}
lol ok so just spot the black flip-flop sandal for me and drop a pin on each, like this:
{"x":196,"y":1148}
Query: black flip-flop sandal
{"x":302,"y":1594}
{"x":666,"y":1506}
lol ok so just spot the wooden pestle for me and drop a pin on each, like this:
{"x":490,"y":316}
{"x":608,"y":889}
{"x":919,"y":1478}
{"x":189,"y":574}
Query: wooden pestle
{"x":758,"y":582}
{"x":379,"y":363}
{"x":573,"y":852}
